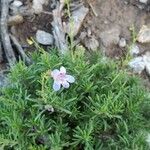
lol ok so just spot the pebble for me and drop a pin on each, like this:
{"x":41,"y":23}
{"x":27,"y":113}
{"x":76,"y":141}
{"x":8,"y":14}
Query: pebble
{"x":143,"y":1}
{"x":77,"y":19}
{"x":144,"y":35}
{"x":92,"y":44}
{"x":135,"y":50}
{"x":37,"y":5}
{"x":110,"y":37}
{"x":17,"y":3}
{"x":146,"y":58}
{"x":3,"y":80}
{"x":122,"y":43}
{"x":137,"y":64}
{"x":44,"y":38}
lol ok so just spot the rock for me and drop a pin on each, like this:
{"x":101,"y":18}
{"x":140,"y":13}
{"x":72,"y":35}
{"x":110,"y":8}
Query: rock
{"x":16,"y":3}
{"x":110,"y":37}
{"x":15,"y":6}
{"x":143,"y":1}
{"x":37,"y":5}
{"x":3,"y":80}
{"x":122,"y":43}
{"x":144,"y":35}
{"x":146,"y":58}
{"x":44,"y":38}
{"x":83,"y":35}
{"x":134,"y":50}
{"x":77,"y":18}
{"x":92,"y":44}
{"x":137,"y":64}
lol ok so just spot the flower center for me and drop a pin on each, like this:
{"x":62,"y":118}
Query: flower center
{"x":61,"y":77}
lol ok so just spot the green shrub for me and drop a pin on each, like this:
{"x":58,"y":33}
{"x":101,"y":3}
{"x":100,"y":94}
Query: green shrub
{"x":102,"y":110}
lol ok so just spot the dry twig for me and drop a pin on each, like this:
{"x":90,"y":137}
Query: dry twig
{"x":4,"y":33}
{"x":20,"y":50}
{"x":1,"y":53}
{"x":58,"y":29}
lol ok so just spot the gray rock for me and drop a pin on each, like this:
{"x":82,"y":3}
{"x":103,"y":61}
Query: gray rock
{"x":134,"y":50}
{"x":122,"y":42}
{"x":144,"y":35}
{"x":137,"y":64}
{"x":44,"y":38}
{"x":3,"y":80}
{"x":92,"y":44}
{"x":37,"y":5}
{"x":143,"y":1}
{"x":16,"y":3}
{"x":146,"y":58}
{"x":110,"y":37}
{"x":76,"y":21}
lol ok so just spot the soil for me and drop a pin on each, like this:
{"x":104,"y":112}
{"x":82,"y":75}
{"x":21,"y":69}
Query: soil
{"x":120,"y":13}
{"x":32,"y":23}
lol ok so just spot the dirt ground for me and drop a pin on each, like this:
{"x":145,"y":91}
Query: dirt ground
{"x":122,"y":14}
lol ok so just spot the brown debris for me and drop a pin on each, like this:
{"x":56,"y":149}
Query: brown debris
{"x":14,"y":20}
{"x":58,"y":29}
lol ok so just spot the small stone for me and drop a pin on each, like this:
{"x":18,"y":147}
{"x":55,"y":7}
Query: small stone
{"x":143,"y":1}
{"x":92,"y":44}
{"x":137,"y":64}
{"x":110,"y":37}
{"x":146,"y":58}
{"x":44,"y":38}
{"x":17,"y":3}
{"x":122,"y":42}
{"x":144,"y":35}
{"x":83,"y":35}
{"x":37,"y":5}
{"x":134,"y":50}
{"x":77,"y":18}
{"x":3,"y":80}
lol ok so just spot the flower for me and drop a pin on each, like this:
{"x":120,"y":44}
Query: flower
{"x":61,"y":78}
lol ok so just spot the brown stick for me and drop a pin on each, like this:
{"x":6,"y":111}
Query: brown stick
{"x":20,"y":50}
{"x":1,"y":53}
{"x":4,"y":33}
{"x":58,"y":29}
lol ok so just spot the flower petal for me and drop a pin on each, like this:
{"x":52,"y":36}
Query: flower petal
{"x":55,"y":72}
{"x":56,"y":86}
{"x":62,"y":70}
{"x":70,"y":78}
{"x":65,"y":84}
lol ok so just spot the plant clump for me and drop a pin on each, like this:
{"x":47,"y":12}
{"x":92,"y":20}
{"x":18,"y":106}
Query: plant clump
{"x":103,"y":109}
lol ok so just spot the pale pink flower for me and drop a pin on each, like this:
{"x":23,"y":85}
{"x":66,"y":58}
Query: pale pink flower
{"x":61,"y":78}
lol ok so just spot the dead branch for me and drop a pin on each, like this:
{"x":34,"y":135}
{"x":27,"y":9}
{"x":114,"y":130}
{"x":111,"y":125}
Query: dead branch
{"x":20,"y":50}
{"x":1,"y":53}
{"x":4,"y":33}
{"x":58,"y":29}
